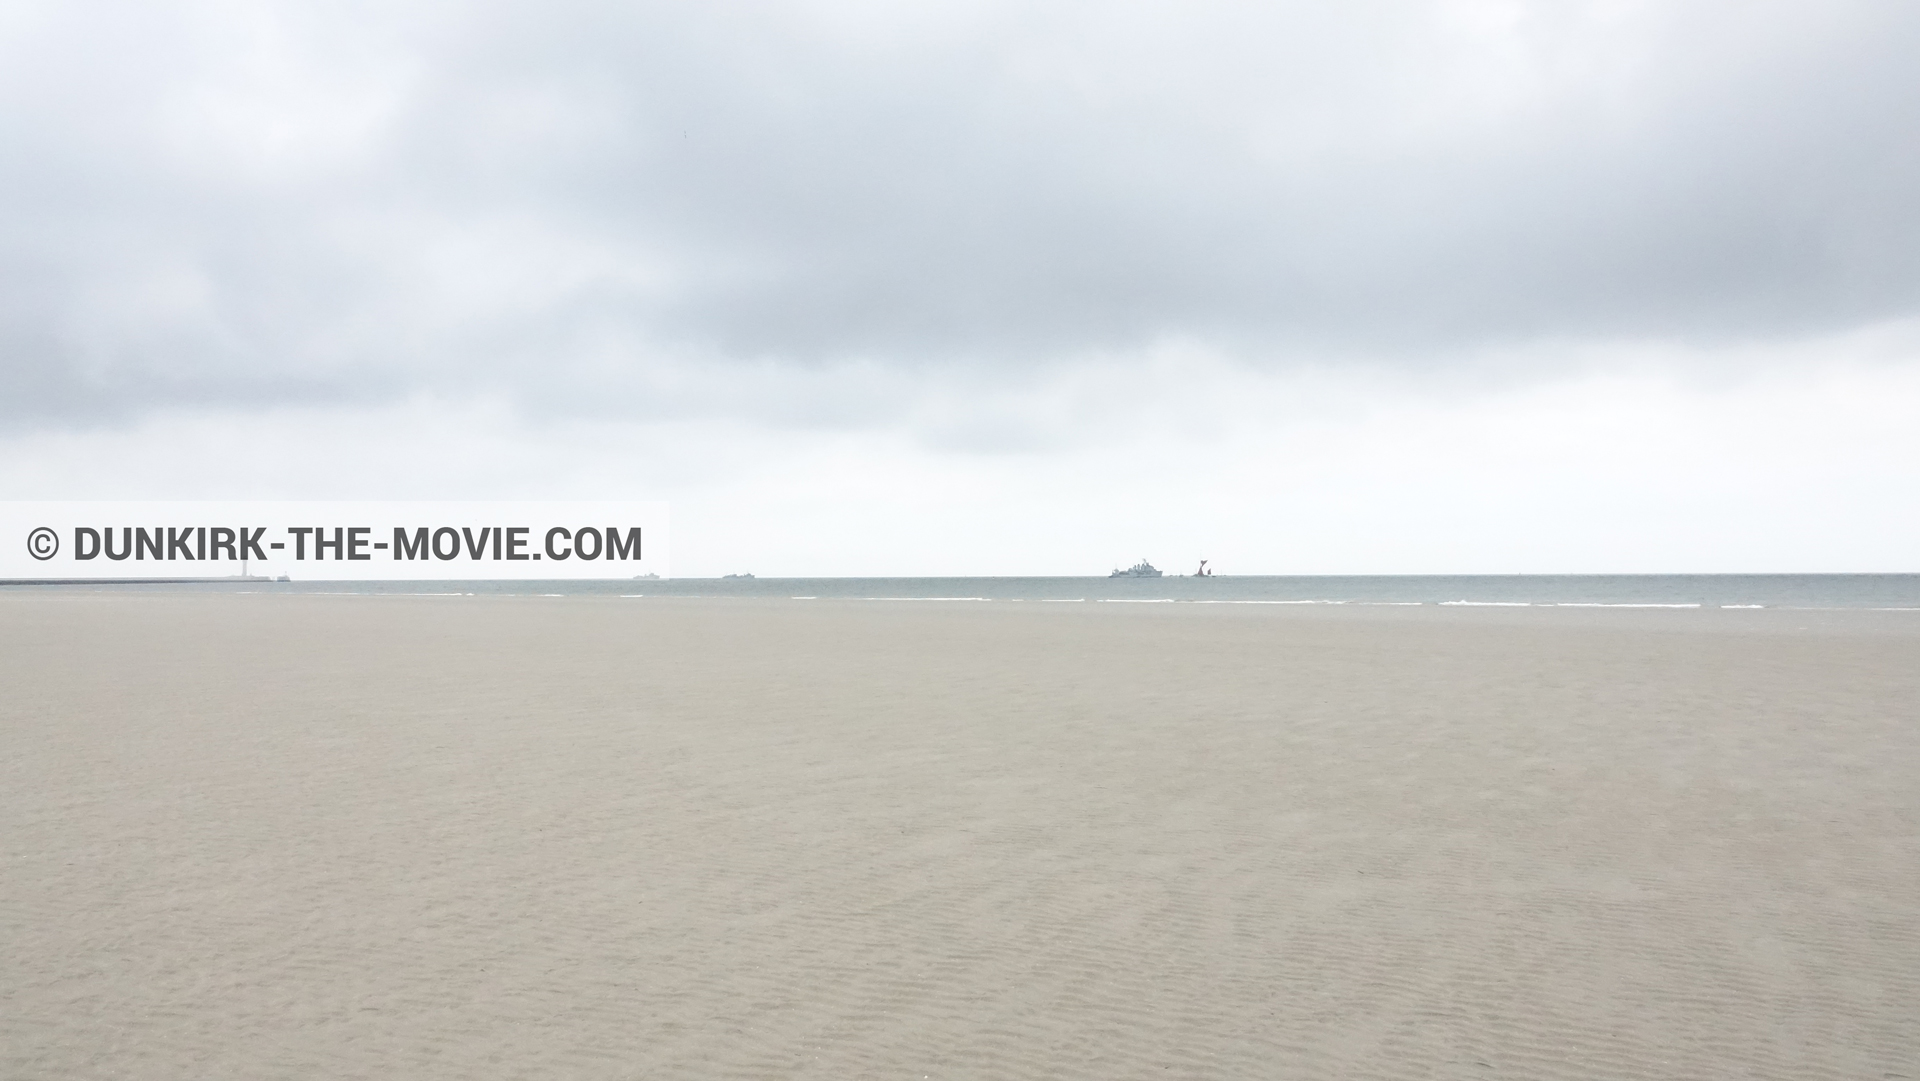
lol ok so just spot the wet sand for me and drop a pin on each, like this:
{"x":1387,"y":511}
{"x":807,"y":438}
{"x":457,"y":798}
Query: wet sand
{"x":337,"y":837}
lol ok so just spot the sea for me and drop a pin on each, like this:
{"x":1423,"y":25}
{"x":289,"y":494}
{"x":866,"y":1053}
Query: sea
{"x":1811,"y":591}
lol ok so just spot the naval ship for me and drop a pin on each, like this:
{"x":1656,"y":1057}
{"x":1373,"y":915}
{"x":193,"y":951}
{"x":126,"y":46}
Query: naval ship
{"x":1142,"y":569}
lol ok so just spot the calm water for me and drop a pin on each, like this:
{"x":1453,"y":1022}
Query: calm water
{"x":1704,"y":590}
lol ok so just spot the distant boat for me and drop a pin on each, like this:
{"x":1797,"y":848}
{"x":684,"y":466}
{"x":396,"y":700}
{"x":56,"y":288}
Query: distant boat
{"x":1142,"y":569}
{"x":1203,"y":572}
{"x":648,"y":577}
{"x":724,"y":576}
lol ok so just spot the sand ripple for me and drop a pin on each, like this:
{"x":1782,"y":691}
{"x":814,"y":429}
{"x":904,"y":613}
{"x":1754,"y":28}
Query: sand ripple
{"x":271,"y":837}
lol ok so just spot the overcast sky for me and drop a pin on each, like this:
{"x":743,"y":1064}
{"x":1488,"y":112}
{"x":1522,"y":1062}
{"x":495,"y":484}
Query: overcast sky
{"x":1385,"y":285}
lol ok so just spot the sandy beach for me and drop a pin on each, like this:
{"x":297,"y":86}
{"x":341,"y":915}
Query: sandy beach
{"x":589,"y":837}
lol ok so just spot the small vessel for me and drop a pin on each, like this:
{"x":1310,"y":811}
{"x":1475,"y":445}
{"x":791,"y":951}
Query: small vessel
{"x":1203,"y":572}
{"x":726,"y":576}
{"x":647,"y":577}
{"x":1142,"y":569}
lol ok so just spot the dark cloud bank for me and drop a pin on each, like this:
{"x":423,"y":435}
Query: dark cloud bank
{"x":586,"y":207}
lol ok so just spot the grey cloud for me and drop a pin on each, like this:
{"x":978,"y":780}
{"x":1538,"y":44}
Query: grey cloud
{"x":589,"y":208}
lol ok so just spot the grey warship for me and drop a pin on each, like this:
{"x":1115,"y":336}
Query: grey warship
{"x":1142,"y":569}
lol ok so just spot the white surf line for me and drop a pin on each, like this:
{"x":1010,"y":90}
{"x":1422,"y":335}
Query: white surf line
{"x":803,"y":598}
{"x":368,"y":593}
{"x":1136,"y":600}
{"x":1743,"y":606}
{"x":1598,"y":604}
{"x":981,"y":599}
{"x":1391,"y":604}
{"x":1491,"y":604}
{"x":1063,"y":600}
{"x":1264,"y":602}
